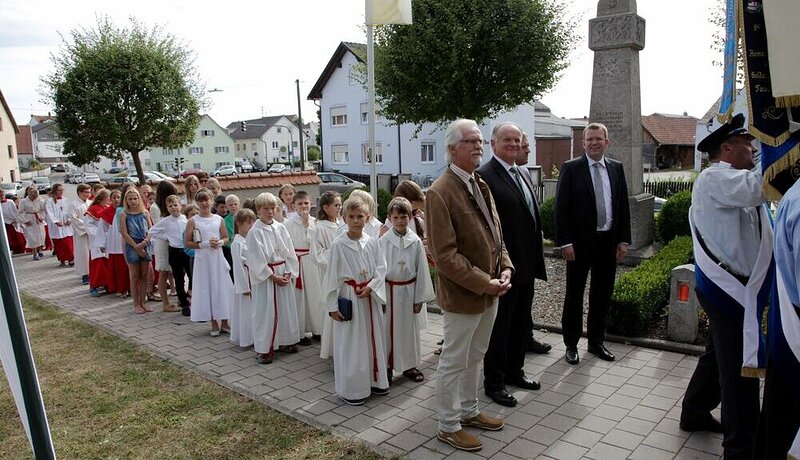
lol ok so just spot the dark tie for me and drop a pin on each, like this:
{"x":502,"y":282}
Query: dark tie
{"x":522,"y":188}
{"x":599,"y":195}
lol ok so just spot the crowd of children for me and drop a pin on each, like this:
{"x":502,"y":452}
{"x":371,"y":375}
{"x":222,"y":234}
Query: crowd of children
{"x":264,"y":271}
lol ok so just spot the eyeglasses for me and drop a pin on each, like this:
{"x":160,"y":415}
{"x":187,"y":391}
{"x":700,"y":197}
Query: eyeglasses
{"x":472,"y":141}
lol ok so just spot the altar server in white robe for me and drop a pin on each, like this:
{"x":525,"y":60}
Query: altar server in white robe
{"x":409,"y":286}
{"x":31,"y":215}
{"x":355,"y":276}
{"x":273,"y":265}
{"x":242,"y":311}
{"x":328,"y":223}
{"x":80,"y":240}
{"x":57,"y":208}
{"x":307,"y":288}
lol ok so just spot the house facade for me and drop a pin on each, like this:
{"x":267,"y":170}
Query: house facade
{"x":211,"y":148}
{"x":9,"y":161}
{"x":400,"y":150}
{"x":266,"y":140}
{"x":668,"y":141}
{"x":557,"y":140}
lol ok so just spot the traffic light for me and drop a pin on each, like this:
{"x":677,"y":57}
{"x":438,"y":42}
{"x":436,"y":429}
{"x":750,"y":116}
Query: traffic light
{"x":244,"y":126}
{"x":176,"y":163}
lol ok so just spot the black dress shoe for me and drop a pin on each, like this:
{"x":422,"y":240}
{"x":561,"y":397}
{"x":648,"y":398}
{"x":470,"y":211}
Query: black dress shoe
{"x":602,"y":352}
{"x":502,"y":397}
{"x":525,"y":383}
{"x":534,"y":346}
{"x":707,"y":423}
{"x":571,"y":356}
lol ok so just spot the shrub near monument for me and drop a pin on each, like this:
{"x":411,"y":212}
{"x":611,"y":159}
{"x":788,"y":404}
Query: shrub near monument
{"x":643,"y":293}
{"x":673,"y":220}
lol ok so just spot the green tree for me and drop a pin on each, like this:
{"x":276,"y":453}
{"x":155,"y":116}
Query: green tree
{"x":123,"y":89}
{"x":313,"y":153}
{"x":470,"y":59}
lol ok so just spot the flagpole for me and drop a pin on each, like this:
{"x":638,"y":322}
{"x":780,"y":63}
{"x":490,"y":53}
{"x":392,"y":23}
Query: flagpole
{"x":31,"y":409}
{"x":373,"y":173}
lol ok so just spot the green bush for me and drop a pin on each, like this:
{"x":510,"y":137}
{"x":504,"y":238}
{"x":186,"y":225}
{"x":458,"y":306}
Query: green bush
{"x":643,"y":293}
{"x":673,"y":220}
{"x":546,"y":210}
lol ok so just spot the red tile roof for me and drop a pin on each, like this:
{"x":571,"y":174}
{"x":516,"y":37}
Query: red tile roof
{"x":671,"y":129}
{"x":262,"y":180}
{"x":24,"y":143}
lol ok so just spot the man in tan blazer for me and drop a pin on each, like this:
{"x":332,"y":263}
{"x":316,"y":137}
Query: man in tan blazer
{"x":473,"y":269}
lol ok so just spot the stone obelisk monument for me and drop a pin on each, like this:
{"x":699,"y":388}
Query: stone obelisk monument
{"x":616,"y":36}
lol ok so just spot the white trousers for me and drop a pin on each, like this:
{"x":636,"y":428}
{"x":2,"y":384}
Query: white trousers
{"x":466,"y":338}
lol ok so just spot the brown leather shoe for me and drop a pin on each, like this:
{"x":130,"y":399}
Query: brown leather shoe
{"x":484,"y":422}
{"x":460,"y":440}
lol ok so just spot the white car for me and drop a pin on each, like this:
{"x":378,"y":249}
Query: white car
{"x":89,"y":178}
{"x":224,"y":170}
{"x":11,"y":187}
{"x":278,"y":168}
{"x":160,"y":175}
{"x":24,"y":184}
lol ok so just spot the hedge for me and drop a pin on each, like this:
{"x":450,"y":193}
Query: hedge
{"x":547,"y":214}
{"x":673,"y":219}
{"x":643,"y":293}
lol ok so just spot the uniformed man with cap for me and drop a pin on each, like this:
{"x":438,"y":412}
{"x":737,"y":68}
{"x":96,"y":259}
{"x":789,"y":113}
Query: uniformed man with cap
{"x":733,"y":268}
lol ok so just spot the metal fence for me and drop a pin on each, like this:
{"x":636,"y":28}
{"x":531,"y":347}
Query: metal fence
{"x":665,"y":189}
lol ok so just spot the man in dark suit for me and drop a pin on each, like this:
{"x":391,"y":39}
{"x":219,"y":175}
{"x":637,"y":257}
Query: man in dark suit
{"x":593,"y":229}
{"x":522,"y":235}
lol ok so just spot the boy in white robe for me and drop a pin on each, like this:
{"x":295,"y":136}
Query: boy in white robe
{"x":242,"y":311}
{"x":307,"y":288}
{"x":356,"y":274}
{"x":272,"y":263}
{"x":409,"y":285}
{"x":80,"y":241}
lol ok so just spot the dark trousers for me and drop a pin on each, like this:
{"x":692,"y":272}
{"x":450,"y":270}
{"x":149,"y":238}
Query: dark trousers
{"x":226,"y":252}
{"x":717,"y":378}
{"x":780,"y":417}
{"x":506,"y":353}
{"x":599,"y":257}
{"x":179,"y":262}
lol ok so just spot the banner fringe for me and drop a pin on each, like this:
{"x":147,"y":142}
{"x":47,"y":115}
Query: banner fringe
{"x":754,"y":372}
{"x":788,"y":101}
{"x":784,"y":162}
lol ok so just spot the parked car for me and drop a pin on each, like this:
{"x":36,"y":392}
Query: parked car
{"x":24,"y":184}
{"x":657,"y":203}
{"x":59,"y":167}
{"x":189,"y":172}
{"x":11,"y":187}
{"x":337,"y":183}
{"x":161,"y":175}
{"x":88,"y":178}
{"x":224,"y":170}
{"x":42,"y":183}
{"x":117,"y":170}
{"x":277,"y":168}
{"x":118,"y":181}
{"x":243,"y":165}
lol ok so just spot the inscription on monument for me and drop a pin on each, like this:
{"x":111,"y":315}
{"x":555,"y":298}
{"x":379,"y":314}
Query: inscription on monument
{"x":614,"y":121}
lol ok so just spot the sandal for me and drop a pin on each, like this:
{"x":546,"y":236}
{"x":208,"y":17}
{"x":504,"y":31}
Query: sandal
{"x":265,"y":358}
{"x":171,"y":308}
{"x":414,"y":374}
{"x":153,"y":297}
{"x":437,"y":351}
{"x":288,"y":349}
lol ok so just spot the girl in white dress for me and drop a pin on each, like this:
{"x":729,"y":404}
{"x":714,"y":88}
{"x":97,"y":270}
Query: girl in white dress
{"x":242,"y":311}
{"x":31,"y":215}
{"x":328,"y":223}
{"x":286,"y":195}
{"x":192,"y":185}
{"x":212,"y":293}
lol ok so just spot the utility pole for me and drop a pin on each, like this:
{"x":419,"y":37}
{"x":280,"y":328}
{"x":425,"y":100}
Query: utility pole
{"x":300,"y":122}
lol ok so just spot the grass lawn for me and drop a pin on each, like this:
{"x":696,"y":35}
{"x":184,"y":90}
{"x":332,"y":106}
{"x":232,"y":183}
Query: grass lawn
{"x":106,"y":398}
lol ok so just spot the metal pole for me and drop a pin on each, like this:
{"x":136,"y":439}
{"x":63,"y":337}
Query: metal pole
{"x":300,"y":121}
{"x":373,"y":174}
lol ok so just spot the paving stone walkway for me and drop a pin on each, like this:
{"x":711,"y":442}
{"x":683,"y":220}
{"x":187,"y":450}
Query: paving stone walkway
{"x":599,"y":410}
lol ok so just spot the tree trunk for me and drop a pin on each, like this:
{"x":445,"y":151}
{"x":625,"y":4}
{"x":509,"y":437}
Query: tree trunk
{"x":137,"y":162}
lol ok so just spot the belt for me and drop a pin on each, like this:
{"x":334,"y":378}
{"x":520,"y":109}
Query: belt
{"x":300,"y":253}
{"x":356,"y":285}
{"x":392,"y":284}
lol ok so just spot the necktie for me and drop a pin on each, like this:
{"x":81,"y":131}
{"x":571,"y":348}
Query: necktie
{"x":599,"y":195}
{"x":476,"y":192}
{"x":522,"y":188}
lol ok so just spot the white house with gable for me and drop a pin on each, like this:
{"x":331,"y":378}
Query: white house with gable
{"x":266,"y":140}
{"x":211,"y":148}
{"x":342,"y":96}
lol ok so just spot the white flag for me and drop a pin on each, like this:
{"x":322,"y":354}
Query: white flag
{"x":388,"y":12}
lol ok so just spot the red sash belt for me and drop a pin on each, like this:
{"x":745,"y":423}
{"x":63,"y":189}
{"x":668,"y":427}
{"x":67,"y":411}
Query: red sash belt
{"x":275,"y":304}
{"x":357,"y":285}
{"x":392,"y":284}
{"x":298,"y":283}
{"x":38,"y":219}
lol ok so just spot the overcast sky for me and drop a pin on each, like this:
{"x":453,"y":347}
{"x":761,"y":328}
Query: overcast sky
{"x":255,"y":50}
